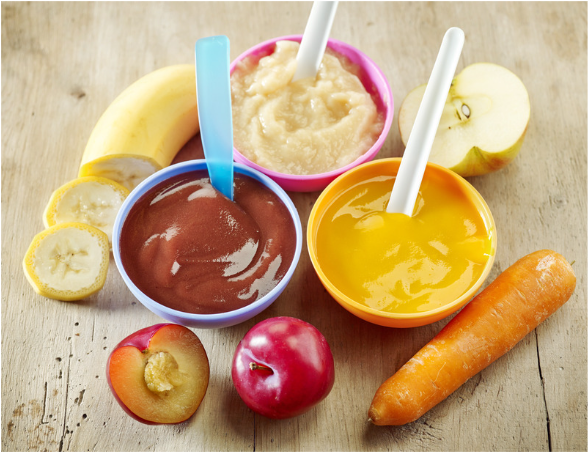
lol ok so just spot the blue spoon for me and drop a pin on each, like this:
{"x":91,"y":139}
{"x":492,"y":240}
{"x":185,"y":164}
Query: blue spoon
{"x":213,"y":88}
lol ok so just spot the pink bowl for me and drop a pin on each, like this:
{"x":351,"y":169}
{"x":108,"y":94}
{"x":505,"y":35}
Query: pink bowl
{"x":375,"y":83}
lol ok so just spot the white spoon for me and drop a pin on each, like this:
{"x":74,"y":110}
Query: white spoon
{"x":413,"y":163}
{"x":314,"y":40}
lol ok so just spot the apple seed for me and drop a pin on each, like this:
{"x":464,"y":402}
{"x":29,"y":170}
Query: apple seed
{"x":466,"y":110}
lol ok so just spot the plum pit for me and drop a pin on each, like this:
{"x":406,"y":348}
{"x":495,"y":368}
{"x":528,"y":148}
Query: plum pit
{"x":162,"y":373}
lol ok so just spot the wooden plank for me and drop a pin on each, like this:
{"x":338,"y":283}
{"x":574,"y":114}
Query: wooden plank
{"x":63,"y":63}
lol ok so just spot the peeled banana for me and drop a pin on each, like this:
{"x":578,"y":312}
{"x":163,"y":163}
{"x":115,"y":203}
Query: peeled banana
{"x":90,"y":200}
{"x":144,"y":127}
{"x":68,"y":261}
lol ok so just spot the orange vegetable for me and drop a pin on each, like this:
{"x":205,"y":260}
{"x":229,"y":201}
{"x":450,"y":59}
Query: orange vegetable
{"x":489,"y":326}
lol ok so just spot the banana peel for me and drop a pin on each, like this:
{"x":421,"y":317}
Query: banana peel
{"x":144,"y":127}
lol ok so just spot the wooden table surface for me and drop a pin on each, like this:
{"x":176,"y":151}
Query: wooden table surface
{"x":63,"y":63}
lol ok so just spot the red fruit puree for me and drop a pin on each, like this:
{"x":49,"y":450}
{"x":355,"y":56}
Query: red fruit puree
{"x":188,"y":247}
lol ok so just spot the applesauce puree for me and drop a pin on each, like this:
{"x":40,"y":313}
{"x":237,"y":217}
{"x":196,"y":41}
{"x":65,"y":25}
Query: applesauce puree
{"x":402,"y":264}
{"x":310,"y":126}
{"x":190,"y":248}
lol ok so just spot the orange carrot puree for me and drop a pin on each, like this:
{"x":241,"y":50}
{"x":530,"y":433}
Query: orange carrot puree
{"x":402,"y":264}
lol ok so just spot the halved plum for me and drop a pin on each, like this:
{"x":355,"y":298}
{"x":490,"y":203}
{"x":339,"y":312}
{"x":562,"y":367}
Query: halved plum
{"x":159,"y":375}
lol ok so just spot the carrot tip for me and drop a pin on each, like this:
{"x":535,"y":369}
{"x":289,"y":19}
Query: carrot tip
{"x":373,"y":416}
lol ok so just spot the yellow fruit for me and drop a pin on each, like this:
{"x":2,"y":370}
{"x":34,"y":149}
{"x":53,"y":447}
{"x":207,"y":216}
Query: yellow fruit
{"x":68,"y":261}
{"x":90,"y":200}
{"x":484,"y":120}
{"x":144,"y":127}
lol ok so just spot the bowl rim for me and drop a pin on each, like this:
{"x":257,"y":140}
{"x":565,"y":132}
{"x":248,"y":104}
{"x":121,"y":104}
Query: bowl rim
{"x":368,"y":154}
{"x":313,"y":221}
{"x":154,"y":306}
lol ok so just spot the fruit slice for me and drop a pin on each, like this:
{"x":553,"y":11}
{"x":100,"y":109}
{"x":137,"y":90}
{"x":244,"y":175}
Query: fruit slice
{"x":159,"y":375}
{"x":68,"y":261}
{"x":90,"y":200}
{"x":144,"y":127}
{"x":483,"y":123}
{"x":127,"y":170}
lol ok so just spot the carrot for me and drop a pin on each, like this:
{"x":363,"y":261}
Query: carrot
{"x":514,"y":304}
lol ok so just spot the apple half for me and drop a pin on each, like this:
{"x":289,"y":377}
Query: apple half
{"x":483,"y":122}
{"x":159,"y":375}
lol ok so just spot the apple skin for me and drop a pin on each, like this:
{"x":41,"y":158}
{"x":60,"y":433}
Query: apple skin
{"x":478,"y":162}
{"x":302,"y":367}
{"x":140,"y":340}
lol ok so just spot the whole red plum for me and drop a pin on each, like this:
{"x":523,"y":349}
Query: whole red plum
{"x":283,"y":367}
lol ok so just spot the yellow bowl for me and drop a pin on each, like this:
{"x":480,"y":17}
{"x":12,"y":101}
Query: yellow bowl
{"x":389,"y":167}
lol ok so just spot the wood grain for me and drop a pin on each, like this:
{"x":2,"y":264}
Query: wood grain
{"x":63,"y":63}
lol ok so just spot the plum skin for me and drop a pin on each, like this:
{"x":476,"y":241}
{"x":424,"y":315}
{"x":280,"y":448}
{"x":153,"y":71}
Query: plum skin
{"x":301,"y":367}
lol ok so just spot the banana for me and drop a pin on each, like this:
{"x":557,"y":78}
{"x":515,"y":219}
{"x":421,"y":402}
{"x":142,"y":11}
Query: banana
{"x":144,"y":127}
{"x":90,"y":200}
{"x":68,"y":261}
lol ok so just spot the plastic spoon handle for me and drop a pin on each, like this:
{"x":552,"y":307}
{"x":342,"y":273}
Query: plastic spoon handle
{"x":314,"y":40}
{"x":413,"y":164}
{"x":213,"y":88}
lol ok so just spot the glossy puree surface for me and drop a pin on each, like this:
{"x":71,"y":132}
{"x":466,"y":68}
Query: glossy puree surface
{"x":400,"y":264}
{"x":188,"y":247}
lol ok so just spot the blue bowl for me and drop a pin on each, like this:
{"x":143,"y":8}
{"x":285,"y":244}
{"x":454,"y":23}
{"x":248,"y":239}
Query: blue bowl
{"x":219,"y":320}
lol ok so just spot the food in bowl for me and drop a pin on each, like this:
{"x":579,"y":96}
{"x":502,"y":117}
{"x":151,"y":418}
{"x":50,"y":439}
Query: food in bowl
{"x":189,"y":248}
{"x":383,"y":265}
{"x":307,"y":127}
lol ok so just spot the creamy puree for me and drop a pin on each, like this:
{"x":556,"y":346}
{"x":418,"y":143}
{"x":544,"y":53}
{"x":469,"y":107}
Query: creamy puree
{"x":188,"y":247}
{"x":310,"y":126}
{"x":396,"y":263}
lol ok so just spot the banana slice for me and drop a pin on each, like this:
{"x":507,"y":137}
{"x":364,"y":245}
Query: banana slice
{"x":68,"y":261}
{"x":90,"y":200}
{"x":144,"y":127}
{"x":126,"y":170}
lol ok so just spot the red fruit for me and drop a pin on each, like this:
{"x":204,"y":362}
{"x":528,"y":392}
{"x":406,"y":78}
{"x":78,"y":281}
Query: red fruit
{"x":283,"y":367}
{"x":159,"y":374}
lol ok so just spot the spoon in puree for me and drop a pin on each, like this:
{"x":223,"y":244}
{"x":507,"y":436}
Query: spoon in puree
{"x":414,"y":161}
{"x":314,"y":40}
{"x":213,"y":89}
